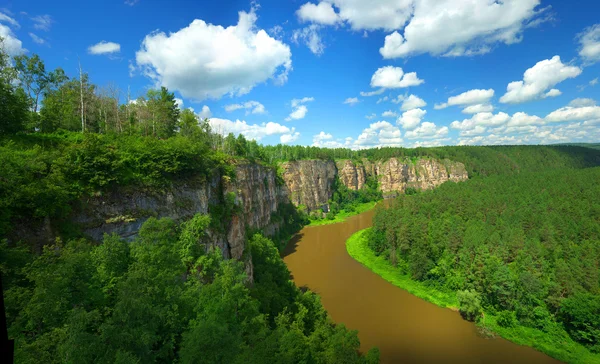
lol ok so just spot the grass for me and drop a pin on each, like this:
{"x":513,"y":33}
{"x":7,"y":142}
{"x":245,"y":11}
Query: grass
{"x":343,"y":214}
{"x":557,"y":343}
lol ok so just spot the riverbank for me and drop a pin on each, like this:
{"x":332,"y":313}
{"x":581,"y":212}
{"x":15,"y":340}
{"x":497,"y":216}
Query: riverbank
{"x":343,"y":215}
{"x":558,"y":344}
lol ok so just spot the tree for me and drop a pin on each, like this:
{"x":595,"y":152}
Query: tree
{"x":13,"y":112}
{"x":188,"y":123}
{"x":469,"y":304}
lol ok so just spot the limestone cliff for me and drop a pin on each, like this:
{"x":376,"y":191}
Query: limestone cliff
{"x":395,"y":175}
{"x":309,"y":182}
{"x":124,"y":211}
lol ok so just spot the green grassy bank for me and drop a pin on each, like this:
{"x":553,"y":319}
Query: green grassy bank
{"x":557,"y":344}
{"x":343,"y":214}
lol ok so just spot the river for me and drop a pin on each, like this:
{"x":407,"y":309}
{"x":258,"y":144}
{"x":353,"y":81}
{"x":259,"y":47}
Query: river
{"x":406,"y":329}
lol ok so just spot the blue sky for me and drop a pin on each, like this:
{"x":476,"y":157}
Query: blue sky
{"x":443,"y":72}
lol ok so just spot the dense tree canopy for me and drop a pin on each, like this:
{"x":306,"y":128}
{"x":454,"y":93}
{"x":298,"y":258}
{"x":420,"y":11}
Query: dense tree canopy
{"x":526,"y":247}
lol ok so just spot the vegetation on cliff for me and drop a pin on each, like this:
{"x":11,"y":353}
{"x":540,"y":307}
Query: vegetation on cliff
{"x":524,"y":249}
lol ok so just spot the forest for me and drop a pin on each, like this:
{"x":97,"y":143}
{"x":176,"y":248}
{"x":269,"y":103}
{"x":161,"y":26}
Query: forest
{"x":522,"y":250}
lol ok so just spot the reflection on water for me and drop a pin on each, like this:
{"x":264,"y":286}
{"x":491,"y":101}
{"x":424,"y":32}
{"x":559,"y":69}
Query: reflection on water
{"x":405,"y":328}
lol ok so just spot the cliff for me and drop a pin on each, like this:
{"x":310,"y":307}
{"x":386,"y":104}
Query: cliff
{"x":123,"y":212}
{"x":309,"y":182}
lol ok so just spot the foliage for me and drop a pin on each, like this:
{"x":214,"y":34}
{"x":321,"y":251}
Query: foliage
{"x":469,"y":304}
{"x":527,"y":245}
{"x":165,"y":298}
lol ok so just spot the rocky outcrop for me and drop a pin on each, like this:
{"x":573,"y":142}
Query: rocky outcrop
{"x":395,"y":175}
{"x":352,"y":175}
{"x":123,"y":212}
{"x":309,"y":182}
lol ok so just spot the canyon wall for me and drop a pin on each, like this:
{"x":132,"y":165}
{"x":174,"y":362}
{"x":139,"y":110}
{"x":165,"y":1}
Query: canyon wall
{"x":258,"y":194}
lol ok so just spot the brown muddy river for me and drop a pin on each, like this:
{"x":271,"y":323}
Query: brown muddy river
{"x":405,"y":328}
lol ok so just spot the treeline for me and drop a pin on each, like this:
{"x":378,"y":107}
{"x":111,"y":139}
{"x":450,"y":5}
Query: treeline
{"x":165,"y":298}
{"x":525,"y":248}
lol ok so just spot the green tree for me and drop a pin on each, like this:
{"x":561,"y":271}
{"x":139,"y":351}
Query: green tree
{"x":469,"y":304}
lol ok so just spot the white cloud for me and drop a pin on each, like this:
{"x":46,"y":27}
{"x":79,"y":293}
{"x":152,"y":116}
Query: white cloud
{"x":399,"y":99}
{"x":251,"y":107}
{"x":298,"y":113}
{"x":580,"y":102}
{"x":208,"y":61}
{"x":299,"y":109}
{"x":37,"y":39}
{"x":372,"y":93}
{"x":411,"y":119}
{"x":371,"y":117}
{"x":179,"y":103}
{"x":352,"y":101}
{"x":289,"y":138}
{"x":477,"y":108}
{"x":427,"y":130}
{"x":11,"y":44}
{"x":500,"y":122}
{"x":4,"y":18}
{"x":325,"y":140}
{"x":471,"y":97}
{"x":379,"y":134}
{"x":205,"y":113}
{"x":250,"y":131}
{"x":104,"y":48}
{"x":412,"y":102}
{"x":296,"y":102}
{"x":394,"y":77}
{"x":538,"y":79}
{"x":589,"y":41}
{"x":131,"y":2}
{"x":594,"y":82}
{"x":322,"y":13}
{"x":553,"y":93}
{"x":389,"y":114}
{"x":459,"y":27}
{"x":383,"y":99}
{"x":42,"y":22}
{"x":311,"y":38}
{"x":570,"y":113}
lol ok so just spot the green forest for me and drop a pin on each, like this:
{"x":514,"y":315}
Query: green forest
{"x":519,"y":241}
{"x":515,"y":252}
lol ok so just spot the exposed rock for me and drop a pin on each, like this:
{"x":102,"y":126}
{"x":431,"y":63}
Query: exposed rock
{"x":309,"y":182}
{"x":351,"y":175}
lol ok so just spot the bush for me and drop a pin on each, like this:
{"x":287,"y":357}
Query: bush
{"x":469,"y":303}
{"x":507,"y":319}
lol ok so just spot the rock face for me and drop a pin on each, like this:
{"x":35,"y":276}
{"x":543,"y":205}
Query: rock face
{"x":309,"y":182}
{"x":257,"y":195}
{"x":124,"y":212}
{"x":395,"y":175}
{"x":351,"y":175}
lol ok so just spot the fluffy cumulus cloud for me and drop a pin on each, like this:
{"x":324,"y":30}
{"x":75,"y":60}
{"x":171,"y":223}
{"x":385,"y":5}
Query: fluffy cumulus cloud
{"x":498,"y":123}
{"x":11,"y":44}
{"x":538,"y":81}
{"x":471,"y":97}
{"x":205,"y":113}
{"x":589,"y":41}
{"x":299,"y":109}
{"x":326,"y":140}
{"x":208,"y":61}
{"x":104,"y":47}
{"x":378,"y":134}
{"x":579,"y":102}
{"x":359,"y":14}
{"x":251,"y":107}
{"x":412,"y":102}
{"x":250,"y":131}
{"x":289,"y":138}
{"x":394,"y":77}
{"x":389,"y":114}
{"x":427,"y":130}
{"x":371,"y":116}
{"x":310,"y":37}
{"x":411,"y":119}
{"x":477,"y":108}
{"x":570,"y":113}
{"x":351,"y":101}
{"x":460,"y":27}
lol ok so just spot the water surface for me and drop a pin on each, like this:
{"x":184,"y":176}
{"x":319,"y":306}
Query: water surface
{"x":405,"y":328}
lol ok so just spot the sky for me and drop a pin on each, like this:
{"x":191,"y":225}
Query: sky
{"x":339,"y":73}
